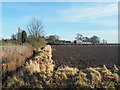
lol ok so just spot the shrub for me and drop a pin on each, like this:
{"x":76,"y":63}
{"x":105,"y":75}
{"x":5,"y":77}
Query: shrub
{"x":24,"y":36}
{"x":37,"y":44}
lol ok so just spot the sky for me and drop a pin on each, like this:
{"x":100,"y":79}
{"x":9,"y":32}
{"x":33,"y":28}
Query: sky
{"x":65,"y":19}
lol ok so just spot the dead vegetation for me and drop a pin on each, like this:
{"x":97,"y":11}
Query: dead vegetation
{"x":65,"y":77}
{"x":42,"y":61}
{"x":14,"y":56}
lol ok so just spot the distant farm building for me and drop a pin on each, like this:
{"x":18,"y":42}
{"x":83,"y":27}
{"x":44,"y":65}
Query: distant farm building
{"x":81,"y":42}
{"x":58,"y":42}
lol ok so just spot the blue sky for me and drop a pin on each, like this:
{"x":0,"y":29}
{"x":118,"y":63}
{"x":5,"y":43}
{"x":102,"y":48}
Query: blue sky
{"x":64,"y":19}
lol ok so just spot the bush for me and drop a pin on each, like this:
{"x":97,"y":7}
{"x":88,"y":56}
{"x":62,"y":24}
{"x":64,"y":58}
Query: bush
{"x":24,"y":36}
{"x":37,"y":44}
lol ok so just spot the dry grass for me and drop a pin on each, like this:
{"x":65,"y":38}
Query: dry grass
{"x":14,"y":56}
{"x":63,"y":78}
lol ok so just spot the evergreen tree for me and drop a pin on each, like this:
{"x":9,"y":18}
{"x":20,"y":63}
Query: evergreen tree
{"x":24,"y":36}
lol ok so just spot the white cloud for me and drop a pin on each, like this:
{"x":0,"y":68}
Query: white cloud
{"x":91,"y":14}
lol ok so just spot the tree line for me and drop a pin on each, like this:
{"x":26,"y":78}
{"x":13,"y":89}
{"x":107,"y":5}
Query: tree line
{"x":92,"y":40}
{"x":79,"y":39}
{"x":36,"y":38}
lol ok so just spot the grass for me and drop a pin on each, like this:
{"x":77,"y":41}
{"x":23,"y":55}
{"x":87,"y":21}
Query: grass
{"x":63,"y":78}
{"x":14,"y":56}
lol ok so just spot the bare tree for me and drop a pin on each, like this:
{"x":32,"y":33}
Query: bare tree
{"x":104,"y":41}
{"x":13,"y":37}
{"x":79,"y":37}
{"x":85,"y":39}
{"x":35,"y":29}
{"x":95,"y":40}
{"x":53,"y":37}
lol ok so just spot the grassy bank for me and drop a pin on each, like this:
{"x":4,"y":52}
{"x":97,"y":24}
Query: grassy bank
{"x":66,"y":78}
{"x":14,"y":56}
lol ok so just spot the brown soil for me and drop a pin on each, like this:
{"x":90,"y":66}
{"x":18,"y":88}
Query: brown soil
{"x":82,"y":56}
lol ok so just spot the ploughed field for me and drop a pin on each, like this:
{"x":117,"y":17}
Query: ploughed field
{"x":82,"y":56}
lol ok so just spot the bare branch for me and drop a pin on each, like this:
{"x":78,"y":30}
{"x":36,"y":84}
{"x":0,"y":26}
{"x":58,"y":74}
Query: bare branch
{"x":35,"y":28}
